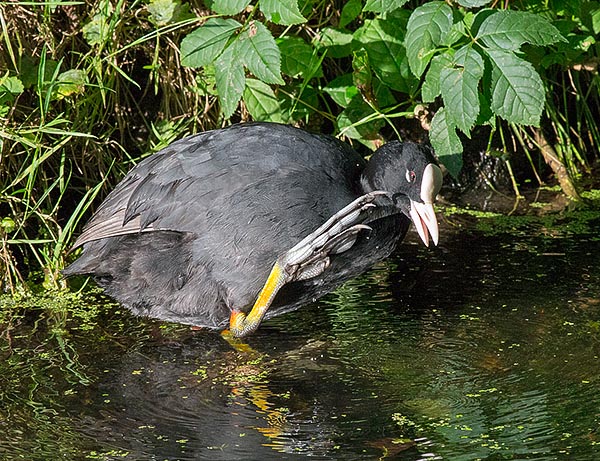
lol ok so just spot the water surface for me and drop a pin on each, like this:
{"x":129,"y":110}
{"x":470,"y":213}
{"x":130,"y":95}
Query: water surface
{"x":486,"y":347}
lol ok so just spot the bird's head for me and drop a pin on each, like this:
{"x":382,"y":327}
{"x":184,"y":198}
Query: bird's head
{"x":410,"y":174}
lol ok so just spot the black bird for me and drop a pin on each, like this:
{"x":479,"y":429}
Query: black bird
{"x":224,"y":225}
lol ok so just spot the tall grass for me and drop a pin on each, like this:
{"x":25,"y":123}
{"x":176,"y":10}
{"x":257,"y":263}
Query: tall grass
{"x":83,"y":96}
{"x":87,"y":89}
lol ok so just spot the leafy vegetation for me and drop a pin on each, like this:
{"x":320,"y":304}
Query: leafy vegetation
{"x":88,"y":89}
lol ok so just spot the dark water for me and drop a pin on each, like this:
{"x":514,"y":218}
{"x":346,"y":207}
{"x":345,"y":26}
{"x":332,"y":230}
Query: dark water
{"x":486,"y":347}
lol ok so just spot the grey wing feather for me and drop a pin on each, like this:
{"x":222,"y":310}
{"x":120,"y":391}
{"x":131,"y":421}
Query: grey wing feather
{"x":180,"y":187}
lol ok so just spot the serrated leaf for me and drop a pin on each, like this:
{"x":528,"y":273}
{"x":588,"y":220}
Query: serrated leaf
{"x":259,"y":52}
{"x":200,"y":47}
{"x":446,"y":143}
{"x":284,"y":12}
{"x":261,"y":101}
{"x":163,"y":12}
{"x":298,"y":58}
{"x":427,"y":28}
{"x":460,"y":88}
{"x":230,"y":79}
{"x":383,"y":6}
{"x":229,"y":7}
{"x":342,"y":90}
{"x":350,"y":11}
{"x":508,"y":30}
{"x":387,"y":55}
{"x":517,"y":89}
{"x":431,"y":86}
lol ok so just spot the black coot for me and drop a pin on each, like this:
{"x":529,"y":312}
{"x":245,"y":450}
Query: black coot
{"x":227,"y":226}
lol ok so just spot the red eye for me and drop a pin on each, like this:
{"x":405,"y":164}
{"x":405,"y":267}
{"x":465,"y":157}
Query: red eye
{"x":410,"y":176}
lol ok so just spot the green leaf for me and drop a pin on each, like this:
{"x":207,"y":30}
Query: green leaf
{"x":517,"y":89}
{"x":297,"y":102}
{"x":96,"y":31}
{"x":350,"y":12}
{"x":200,"y":47}
{"x":261,"y":102}
{"x":284,"y":12}
{"x":446,"y":143}
{"x":427,"y":28}
{"x":342,"y":90}
{"x":10,"y":87}
{"x":361,"y":71}
{"x":387,"y":54}
{"x":383,"y":6}
{"x":230,"y":79}
{"x":163,"y":12}
{"x":298,"y":58}
{"x":355,"y":122}
{"x":473,"y":3}
{"x":69,"y":83}
{"x":508,"y":30}
{"x":259,"y":52}
{"x":459,"y":86}
{"x":338,"y":43}
{"x":431,"y":86}
{"x":229,"y":7}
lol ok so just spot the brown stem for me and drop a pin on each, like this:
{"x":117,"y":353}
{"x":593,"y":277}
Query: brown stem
{"x":551,"y":157}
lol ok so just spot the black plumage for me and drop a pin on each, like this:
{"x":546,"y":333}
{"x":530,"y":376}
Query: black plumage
{"x":192,"y":232}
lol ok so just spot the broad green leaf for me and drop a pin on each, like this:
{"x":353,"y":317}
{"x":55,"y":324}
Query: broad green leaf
{"x":70,"y":82}
{"x":383,"y":95}
{"x":230,"y":79}
{"x":517,"y":89}
{"x":201,"y":47}
{"x":261,"y":102}
{"x":350,"y":12}
{"x":594,"y":15}
{"x":383,"y":6}
{"x":298,"y":58}
{"x":96,"y":31}
{"x":445,"y":142}
{"x":259,"y":52}
{"x":229,"y":7}
{"x":456,"y":33}
{"x":28,"y":71}
{"x":284,"y":12}
{"x":387,"y":54}
{"x":431,"y":86}
{"x":11,"y":85}
{"x":9,"y":88}
{"x":508,"y":30}
{"x":473,"y":3}
{"x":338,"y":43}
{"x":460,"y":88}
{"x":427,"y":28}
{"x":163,"y":12}
{"x":342,"y":90}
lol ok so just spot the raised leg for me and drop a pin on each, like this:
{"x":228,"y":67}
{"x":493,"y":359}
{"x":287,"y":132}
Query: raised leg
{"x":307,"y":259}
